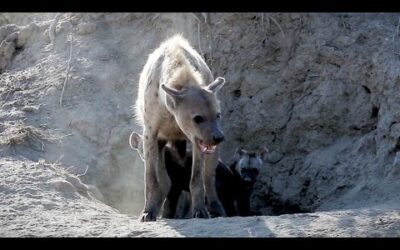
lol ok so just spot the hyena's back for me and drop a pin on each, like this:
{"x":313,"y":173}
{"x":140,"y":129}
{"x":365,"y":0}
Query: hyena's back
{"x":171,"y":64}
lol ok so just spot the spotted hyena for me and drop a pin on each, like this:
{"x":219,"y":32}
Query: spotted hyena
{"x":235,"y":192}
{"x":177,"y":101}
{"x":234,"y":183}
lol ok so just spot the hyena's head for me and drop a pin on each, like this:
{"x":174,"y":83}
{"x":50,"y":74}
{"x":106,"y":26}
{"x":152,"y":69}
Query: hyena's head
{"x":249,"y":163}
{"x":197,"y":112}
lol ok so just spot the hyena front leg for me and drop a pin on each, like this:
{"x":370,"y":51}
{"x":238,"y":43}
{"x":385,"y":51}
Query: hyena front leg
{"x":214,"y":204}
{"x":157,"y":182}
{"x":199,"y":209}
{"x":244,"y":206}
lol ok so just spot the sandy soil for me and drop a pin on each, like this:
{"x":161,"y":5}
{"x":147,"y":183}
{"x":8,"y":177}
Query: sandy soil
{"x":38,"y":200}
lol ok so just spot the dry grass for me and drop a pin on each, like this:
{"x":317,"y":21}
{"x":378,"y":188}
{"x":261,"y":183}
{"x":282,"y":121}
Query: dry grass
{"x":19,"y":133}
{"x":270,"y":18}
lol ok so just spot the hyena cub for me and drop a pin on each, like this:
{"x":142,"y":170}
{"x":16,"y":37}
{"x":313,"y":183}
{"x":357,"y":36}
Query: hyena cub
{"x":177,"y":101}
{"x":235,"y":192}
{"x":178,"y":169}
{"x":234,"y":184}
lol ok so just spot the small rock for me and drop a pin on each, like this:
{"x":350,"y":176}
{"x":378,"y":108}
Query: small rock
{"x":274,"y":157}
{"x":46,"y":36}
{"x":227,"y":46}
{"x":6,"y":51}
{"x":33,"y":109}
{"x":25,"y":33}
{"x":76,"y":18}
{"x":295,"y":16}
{"x":63,"y":186}
{"x":12,"y":37}
{"x":344,"y":41}
{"x":64,"y":26}
{"x":86,"y":28}
{"x":51,"y":91}
{"x":7,"y":30}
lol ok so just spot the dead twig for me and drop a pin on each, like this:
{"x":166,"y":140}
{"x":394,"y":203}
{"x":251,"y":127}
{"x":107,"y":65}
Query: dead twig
{"x":79,"y":175}
{"x":277,"y":24}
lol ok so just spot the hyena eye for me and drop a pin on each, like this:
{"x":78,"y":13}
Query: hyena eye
{"x":198,"y":119}
{"x":218,"y":115}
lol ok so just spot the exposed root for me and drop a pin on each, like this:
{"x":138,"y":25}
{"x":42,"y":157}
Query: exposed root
{"x":154,"y":17}
{"x":67,"y":71}
{"x":198,"y":33}
{"x":394,"y":36}
{"x":268,"y":24}
{"x":70,"y":178}
{"x":52,"y":29}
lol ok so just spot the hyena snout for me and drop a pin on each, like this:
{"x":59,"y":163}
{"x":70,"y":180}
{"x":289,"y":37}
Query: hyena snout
{"x":217,"y":136}
{"x":208,"y":143}
{"x":218,"y":139}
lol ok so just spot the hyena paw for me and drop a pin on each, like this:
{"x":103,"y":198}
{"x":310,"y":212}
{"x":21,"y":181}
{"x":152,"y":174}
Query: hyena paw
{"x":145,"y":217}
{"x":216,"y":209}
{"x":168,"y":215}
{"x":200,"y":213}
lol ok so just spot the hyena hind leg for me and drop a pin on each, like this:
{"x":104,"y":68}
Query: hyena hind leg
{"x":157,"y":182}
{"x":170,"y":204}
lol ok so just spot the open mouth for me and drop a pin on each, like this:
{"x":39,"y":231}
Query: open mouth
{"x":206,"y":149}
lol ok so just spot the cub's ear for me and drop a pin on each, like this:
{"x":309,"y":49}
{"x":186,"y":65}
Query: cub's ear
{"x":263,"y":152}
{"x":136,"y":143}
{"x":134,"y":140}
{"x":238,"y":154}
{"x":216,"y":85}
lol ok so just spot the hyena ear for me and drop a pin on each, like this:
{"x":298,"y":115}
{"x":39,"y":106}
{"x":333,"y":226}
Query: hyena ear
{"x":238,"y":154}
{"x":134,"y":140}
{"x":263,"y":153}
{"x":174,"y":94}
{"x":216,"y":85}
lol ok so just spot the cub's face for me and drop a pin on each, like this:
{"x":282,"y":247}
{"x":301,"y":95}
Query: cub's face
{"x":249,"y":163}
